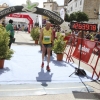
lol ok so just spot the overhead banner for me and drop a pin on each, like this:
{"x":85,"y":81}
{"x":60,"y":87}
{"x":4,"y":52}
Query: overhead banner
{"x":32,"y":8}
{"x":15,"y":9}
{"x":86,"y":51}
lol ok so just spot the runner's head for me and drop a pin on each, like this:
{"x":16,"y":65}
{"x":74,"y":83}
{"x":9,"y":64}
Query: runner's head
{"x":10,"y":21}
{"x":48,"y":24}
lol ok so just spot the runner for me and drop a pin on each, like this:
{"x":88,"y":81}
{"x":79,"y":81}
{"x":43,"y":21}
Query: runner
{"x":46,"y":39}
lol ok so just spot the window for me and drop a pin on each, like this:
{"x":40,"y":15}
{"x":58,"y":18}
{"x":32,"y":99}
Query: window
{"x":81,"y":2}
{"x":76,"y":4}
{"x":71,"y":8}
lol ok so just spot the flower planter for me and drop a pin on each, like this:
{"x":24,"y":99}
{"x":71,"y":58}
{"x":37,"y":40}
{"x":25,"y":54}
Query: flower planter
{"x":1,"y":64}
{"x":59,"y":57}
{"x":36,"y":41}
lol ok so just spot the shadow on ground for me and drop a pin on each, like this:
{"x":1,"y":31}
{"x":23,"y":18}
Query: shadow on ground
{"x":85,"y":95}
{"x":44,"y":77}
{"x":6,"y":69}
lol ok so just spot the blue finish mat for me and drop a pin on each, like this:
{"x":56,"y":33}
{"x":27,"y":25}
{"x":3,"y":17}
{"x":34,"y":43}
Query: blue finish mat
{"x":25,"y":67}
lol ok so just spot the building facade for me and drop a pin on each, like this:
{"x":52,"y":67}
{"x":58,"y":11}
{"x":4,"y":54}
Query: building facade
{"x":3,"y":6}
{"x":90,"y":7}
{"x":52,"y":6}
{"x":74,"y":6}
{"x":66,"y":2}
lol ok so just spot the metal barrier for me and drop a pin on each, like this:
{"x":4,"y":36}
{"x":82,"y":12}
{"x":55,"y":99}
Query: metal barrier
{"x":90,"y":48}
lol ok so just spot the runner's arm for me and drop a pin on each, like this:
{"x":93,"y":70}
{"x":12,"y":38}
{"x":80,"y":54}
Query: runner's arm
{"x":41,"y":36}
{"x":52,"y":37}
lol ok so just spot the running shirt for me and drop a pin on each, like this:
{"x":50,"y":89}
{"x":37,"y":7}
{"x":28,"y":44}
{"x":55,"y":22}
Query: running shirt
{"x":47,"y":36}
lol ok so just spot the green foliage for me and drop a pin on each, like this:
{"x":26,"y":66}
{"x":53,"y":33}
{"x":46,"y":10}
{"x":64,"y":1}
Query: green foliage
{"x":73,"y":16}
{"x":67,"y":18}
{"x":5,"y":52}
{"x":35,"y":33}
{"x":81,"y":16}
{"x":59,"y":44}
{"x":58,"y":34}
{"x":78,"y":16}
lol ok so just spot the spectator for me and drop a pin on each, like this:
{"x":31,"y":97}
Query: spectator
{"x":9,"y":28}
{"x":97,"y":37}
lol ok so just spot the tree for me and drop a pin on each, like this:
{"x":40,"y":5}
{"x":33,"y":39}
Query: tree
{"x":67,"y":18}
{"x":72,"y":16}
{"x":76,"y":16}
{"x":81,"y":16}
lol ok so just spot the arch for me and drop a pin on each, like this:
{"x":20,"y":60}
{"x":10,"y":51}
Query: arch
{"x":15,"y":9}
{"x":15,"y":15}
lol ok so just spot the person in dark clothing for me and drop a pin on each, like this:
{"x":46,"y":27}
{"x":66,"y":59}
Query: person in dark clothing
{"x":9,"y":28}
{"x":97,"y":38}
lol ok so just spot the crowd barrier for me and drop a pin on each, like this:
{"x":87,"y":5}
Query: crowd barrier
{"x":89,"y":50}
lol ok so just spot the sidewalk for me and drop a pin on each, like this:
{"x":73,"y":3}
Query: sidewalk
{"x":22,"y":39}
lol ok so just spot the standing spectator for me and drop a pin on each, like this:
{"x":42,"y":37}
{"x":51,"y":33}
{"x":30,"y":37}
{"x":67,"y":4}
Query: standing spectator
{"x":97,"y":37}
{"x":9,"y":28}
{"x":19,"y":27}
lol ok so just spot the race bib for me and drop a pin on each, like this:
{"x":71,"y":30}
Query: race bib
{"x":47,"y":38}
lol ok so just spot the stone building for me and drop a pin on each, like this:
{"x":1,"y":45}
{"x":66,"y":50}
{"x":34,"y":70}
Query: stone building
{"x":90,"y":7}
{"x":66,"y":2}
{"x":52,"y":5}
{"x":3,"y":6}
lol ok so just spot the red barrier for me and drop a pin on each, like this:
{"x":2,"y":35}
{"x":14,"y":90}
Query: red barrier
{"x":70,"y":40}
{"x":67,"y":37}
{"x":88,"y":48}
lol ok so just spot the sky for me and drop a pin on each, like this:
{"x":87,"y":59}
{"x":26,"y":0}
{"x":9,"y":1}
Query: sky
{"x":20,"y":2}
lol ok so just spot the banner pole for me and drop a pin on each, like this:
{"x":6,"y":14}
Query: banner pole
{"x":80,"y":50}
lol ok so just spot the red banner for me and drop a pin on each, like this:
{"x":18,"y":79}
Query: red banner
{"x":86,"y":51}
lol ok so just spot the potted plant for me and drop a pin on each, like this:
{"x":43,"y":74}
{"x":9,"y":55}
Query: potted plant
{"x":59,"y":47}
{"x":5,"y":52}
{"x":35,"y":33}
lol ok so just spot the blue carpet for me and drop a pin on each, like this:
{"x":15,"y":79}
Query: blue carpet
{"x":25,"y":67}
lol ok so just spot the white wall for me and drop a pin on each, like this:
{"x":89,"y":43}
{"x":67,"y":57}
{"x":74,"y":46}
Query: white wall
{"x":74,"y":6}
